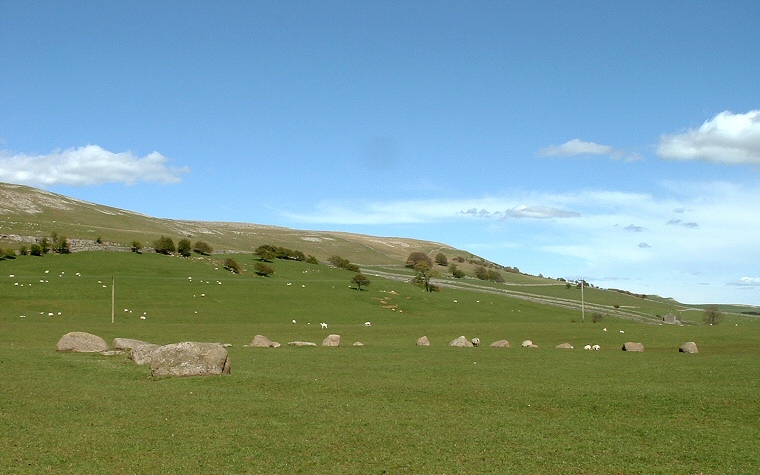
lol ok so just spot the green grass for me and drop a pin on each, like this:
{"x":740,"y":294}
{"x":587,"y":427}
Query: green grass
{"x":389,"y":407}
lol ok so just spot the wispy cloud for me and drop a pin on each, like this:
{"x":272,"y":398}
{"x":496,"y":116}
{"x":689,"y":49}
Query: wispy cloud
{"x":747,"y":282}
{"x":678,"y":222}
{"x":88,"y":165}
{"x":726,"y":138}
{"x":576,"y":147}
{"x":523,"y":212}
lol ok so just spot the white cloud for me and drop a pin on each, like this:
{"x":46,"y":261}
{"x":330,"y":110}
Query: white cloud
{"x":89,"y":165}
{"x":748,"y":282}
{"x":726,"y":138}
{"x":576,"y":147}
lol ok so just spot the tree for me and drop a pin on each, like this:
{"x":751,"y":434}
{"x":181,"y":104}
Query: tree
{"x":136,"y":246}
{"x":417,"y":257}
{"x":164,"y":245}
{"x":203,"y":248}
{"x":266,"y":253}
{"x":494,"y":276}
{"x":481,"y":273}
{"x":44,"y":245}
{"x":36,"y":250}
{"x":311,"y":260}
{"x":184,"y":247}
{"x":713,"y":315}
{"x":342,"y":263}
{"x":441,"y":259}
{"x":263,"y":269}
{"x":60,"y":244}
{"x":231,"y":265}
{"x":456,"y":272}
{"x":361,"y":280}
{"x":425,"y":273}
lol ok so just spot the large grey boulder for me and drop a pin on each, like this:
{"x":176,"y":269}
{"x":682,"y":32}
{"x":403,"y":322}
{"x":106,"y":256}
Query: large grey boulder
{"x":331,"y":340}
{"x":633,"y":346}
{"x":81,"y":342}
{"x":500,"y":344}
{"x":566,"y":346}
{"x":143,"y":354}
{"x":688,"y":347}
{"x":126,"y":343}
{"x":461,"y":342}
{"x":190,"y":359}
{"x":260,"y":341}
{"x":423,"y":341}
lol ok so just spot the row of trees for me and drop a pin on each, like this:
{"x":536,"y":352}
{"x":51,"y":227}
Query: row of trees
{"x":55,"y":243}
{"x":269,"y":252}
{"x":165,"y":245}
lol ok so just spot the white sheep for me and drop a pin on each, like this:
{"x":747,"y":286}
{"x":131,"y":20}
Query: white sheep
{"x":324,"y":326}
{"x":476,"y":342}
{"x":596,"y":347}
{"x":294,"y":322}
{"x":587,"y":347}
{"x":367,"y":324}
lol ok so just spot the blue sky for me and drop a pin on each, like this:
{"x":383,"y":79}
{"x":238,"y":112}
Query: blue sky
{"x":615,"y":141}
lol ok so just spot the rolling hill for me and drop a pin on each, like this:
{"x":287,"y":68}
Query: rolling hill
{"x":27,"y":214}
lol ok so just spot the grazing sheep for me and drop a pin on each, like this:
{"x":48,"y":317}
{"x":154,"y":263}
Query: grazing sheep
{"x":587,"y":347}
{"x":324,"y":326}
{"x":294,"y":322}
{"x":596,"y":347}
{"x":476,"y":342}
{"x":367,"y":324}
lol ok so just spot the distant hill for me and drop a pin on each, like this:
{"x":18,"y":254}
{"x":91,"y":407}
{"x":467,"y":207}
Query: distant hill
{"x":27,"y":213}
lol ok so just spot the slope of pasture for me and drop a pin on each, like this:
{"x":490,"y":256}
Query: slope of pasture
{"x":387,"y":407}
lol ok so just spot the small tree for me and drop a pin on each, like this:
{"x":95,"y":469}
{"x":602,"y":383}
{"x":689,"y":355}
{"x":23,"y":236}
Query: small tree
{"x":266,"y":253}
{"x":22,"y":251}
{"x":203,"y":248}
{"x":481,"y":273}
{"x":713,"y":315}
{"x":596,"y":317}
{"x":360,"y":280}
{"x":164,"y":245}
{"x":44,"y":245}
{"x":263,"y":269}
{"x":456,"y":272}
{"x":9,"y":254}
{"x":60,"y":244}
{"x":425,"y":273}
{"x":231,"y":265}
{"x":311,"y":260}
{"x":136,"y":246}
{"x":35,"y":250}
{"x":184,"y":247}
{"x":417,"y":257}
{"x":441,"y":259}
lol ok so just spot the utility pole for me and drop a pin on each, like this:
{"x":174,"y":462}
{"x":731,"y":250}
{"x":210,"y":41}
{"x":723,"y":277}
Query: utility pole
{"x":113,"y":297}
{"x":583,"y":302}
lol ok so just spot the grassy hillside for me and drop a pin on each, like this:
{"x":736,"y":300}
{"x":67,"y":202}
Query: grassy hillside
{"x":30,"y":212}
{"x":387,"y":407}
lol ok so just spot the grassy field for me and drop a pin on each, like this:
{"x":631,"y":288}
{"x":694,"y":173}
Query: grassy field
{"x":388,"y":407}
